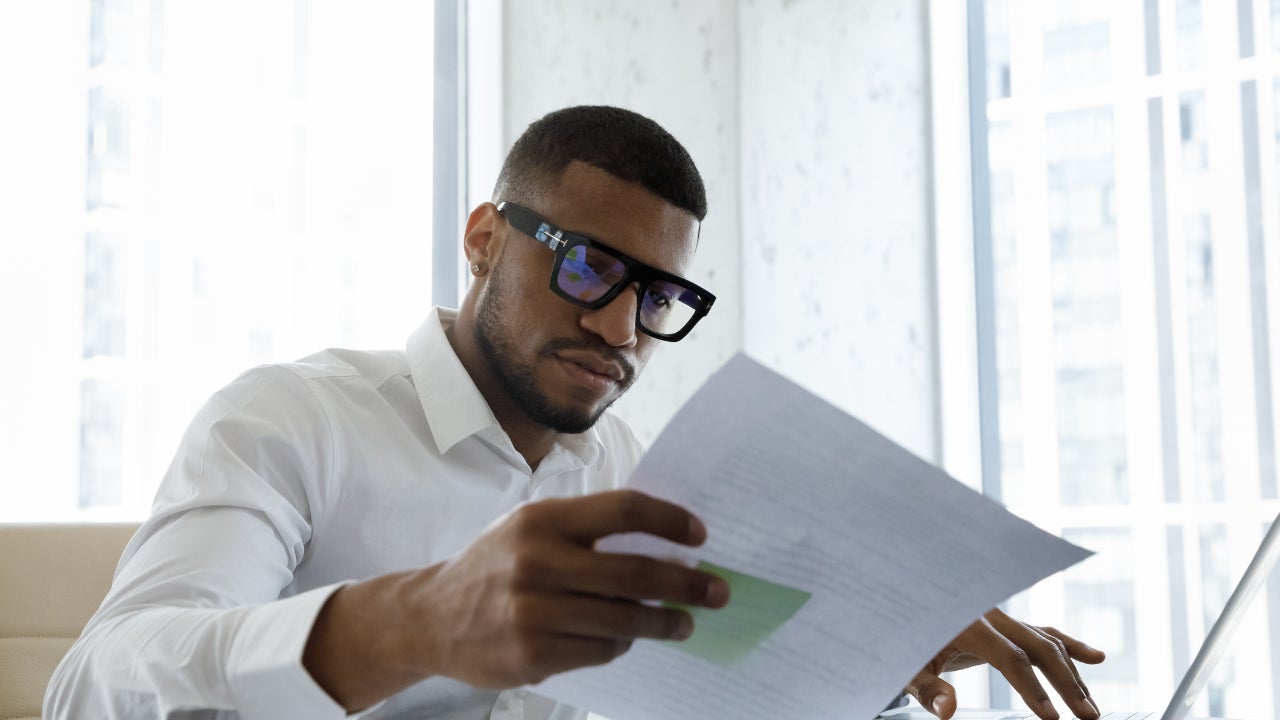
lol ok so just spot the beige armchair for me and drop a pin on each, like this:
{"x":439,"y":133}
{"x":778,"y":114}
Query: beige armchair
{"x":52,"y":578}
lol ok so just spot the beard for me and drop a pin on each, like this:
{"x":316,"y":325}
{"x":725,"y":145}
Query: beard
{"x":519,"y":379}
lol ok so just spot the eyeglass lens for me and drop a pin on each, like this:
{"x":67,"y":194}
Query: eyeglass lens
{"x":588,"y":274}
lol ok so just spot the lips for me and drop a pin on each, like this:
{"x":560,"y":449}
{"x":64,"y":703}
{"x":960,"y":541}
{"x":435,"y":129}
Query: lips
{"x":594,"y":364}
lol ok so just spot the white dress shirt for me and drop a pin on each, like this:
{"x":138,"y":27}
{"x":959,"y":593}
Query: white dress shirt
{"x":292,"y":480}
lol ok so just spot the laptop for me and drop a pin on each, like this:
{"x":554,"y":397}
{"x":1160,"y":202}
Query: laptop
{"x":1196,"y":676}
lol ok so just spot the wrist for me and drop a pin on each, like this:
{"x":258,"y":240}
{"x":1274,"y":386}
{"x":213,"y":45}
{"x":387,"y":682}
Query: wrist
{"x":354,"y":649}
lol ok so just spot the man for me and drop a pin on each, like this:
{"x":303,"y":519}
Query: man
{"x":408,"y":533}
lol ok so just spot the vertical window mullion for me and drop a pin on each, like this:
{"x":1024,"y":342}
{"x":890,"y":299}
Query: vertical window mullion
{"x":1140,"y":235}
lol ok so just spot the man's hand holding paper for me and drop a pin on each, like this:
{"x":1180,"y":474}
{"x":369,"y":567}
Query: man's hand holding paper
{"x":527,"y":599}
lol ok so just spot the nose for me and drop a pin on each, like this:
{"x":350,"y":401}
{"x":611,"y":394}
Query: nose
{"x":615,"y":323}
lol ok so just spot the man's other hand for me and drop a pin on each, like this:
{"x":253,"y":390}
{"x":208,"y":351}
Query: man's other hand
{"x":1013,"y":648}
{"x":527,"y":599}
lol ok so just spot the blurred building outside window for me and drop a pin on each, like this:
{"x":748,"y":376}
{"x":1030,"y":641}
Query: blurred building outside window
{"x":1135,"y":225}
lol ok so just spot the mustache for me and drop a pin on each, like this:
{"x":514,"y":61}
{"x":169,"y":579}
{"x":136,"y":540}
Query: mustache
{"x":605,"y":352}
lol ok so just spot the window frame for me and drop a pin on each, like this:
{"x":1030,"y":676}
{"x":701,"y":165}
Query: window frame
{"x":965,"y":310}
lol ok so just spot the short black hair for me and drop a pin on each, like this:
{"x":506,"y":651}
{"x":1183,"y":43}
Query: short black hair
{"x":623,"y":143}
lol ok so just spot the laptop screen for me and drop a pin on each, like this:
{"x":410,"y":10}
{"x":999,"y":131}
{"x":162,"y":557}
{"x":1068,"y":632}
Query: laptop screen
{"x":1224,"y":627}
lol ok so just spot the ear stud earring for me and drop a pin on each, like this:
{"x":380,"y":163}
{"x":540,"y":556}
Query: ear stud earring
{"x":476,"y":269}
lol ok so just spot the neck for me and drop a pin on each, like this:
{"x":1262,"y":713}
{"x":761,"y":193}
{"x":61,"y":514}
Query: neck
{"x":532,"y":440}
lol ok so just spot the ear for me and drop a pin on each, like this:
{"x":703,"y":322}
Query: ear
{"x":481,"y":242}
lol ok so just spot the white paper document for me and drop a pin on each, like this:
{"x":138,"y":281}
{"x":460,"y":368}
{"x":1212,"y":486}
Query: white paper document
{"x":851,"y":562}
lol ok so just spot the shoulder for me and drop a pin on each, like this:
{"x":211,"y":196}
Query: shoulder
{"x":315,"y":377}
{"x":303,"y":395}
{"x":280,"y":425}
{"x":371,"y":366}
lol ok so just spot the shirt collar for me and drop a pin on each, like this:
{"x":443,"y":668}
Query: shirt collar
{"x":454,"y":407}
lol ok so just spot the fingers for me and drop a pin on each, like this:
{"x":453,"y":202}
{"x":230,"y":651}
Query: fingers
{"x":934,"y":693}
{"x":601,"y":618}
{"x":984,"y":640}
{"x":1076,"y":649}
{"x":1014,"y":648}
{"x":544,"y":656}
{"x":587,"y":519}
{"x":1015,"y":665}
{"x":1066,"y":649}
{"x":556,"y":633}
{"x":531,"y":597}
{"x":544,"y":565}
{"x":639,"y":577}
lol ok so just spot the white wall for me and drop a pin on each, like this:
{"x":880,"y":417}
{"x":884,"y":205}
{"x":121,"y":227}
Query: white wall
{"x":836,"y":243}
{"x":809,"y":122}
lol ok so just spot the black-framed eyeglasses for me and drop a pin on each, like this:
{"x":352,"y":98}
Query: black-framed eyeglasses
{"x":590,"y":274}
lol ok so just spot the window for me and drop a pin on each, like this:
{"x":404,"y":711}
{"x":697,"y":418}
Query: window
{"x":254,"y":183}
{"x":1128,"y":203}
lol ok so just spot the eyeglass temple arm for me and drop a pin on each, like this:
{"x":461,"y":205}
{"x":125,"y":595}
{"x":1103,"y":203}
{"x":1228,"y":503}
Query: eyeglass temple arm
{"x":552,"y":238}
{"x":546,"y":234}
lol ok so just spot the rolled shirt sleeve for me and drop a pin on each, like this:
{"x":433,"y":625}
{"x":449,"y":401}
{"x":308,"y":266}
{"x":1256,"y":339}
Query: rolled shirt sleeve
{"x":201,"y":620}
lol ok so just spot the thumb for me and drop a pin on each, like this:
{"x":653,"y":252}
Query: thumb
{"x":933,"y":693}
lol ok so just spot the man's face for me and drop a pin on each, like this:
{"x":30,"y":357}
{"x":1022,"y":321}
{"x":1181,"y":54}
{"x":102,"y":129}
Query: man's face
{"x":561,"y":364}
